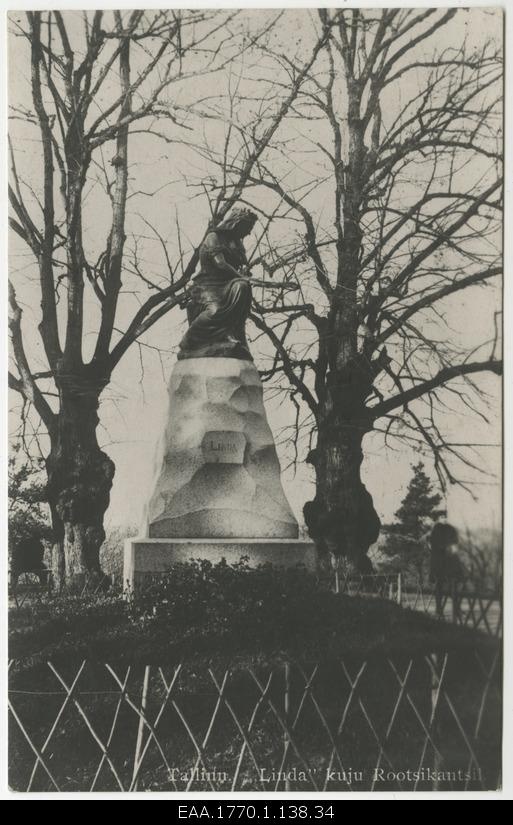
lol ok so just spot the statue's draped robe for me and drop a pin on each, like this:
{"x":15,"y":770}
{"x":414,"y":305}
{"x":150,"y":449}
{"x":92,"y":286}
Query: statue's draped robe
{"x":219,"y":303}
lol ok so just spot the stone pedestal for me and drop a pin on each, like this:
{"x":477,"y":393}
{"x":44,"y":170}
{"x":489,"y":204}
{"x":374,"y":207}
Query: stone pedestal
{"x":218,"y":474}
{"x":147,"y":558}
{"x":217,"y":491}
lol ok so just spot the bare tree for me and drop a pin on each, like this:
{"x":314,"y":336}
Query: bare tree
{"x":86,"y":97}
{"x":387,"y":194}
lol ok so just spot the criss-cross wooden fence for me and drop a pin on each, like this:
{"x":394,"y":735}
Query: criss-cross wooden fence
{"x":31,"y":589}
{"x":457,"y":602}
{"x":428,"y":722}
{"x":382,"y":585}
{"x":461,"y":604}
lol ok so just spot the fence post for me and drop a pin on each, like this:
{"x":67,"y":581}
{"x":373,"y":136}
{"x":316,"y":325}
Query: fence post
{"x":286,"y":707}
{"x":399,"y":589}
{"x":455,"y":602}
{"x":435,"y":691}
{"x":140,"y":729}
{"x":439,"y":598}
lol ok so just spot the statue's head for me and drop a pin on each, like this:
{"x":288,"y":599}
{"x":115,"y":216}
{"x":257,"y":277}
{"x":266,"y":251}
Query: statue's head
{"x":239,"y":222}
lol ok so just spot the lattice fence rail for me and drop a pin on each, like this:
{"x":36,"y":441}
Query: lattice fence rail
{"x":428,"y":722}
{"x":461,"y":603}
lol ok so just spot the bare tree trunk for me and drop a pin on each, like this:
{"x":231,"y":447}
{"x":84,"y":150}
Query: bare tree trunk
{"x":341,"y":519}
{"x":79,"y":482}
{"x":58,"y":566}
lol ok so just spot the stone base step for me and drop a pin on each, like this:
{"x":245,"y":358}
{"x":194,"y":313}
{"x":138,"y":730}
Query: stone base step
{"x":145,"y":558}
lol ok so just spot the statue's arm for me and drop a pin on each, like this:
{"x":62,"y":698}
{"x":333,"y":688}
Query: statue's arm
{"x":223,"y":264}
{"x":215,"y":249}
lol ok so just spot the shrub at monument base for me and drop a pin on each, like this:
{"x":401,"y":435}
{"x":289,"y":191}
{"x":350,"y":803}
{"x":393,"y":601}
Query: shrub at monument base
{"x":205,"y":613}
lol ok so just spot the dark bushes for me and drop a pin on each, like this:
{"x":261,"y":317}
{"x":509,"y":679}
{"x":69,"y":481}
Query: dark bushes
{"x":207,"y":612}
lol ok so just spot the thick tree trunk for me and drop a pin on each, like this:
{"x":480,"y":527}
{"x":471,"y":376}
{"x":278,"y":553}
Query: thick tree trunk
{"x":341,"y":519}
{"x":57,"y":562}
{"x":79,"y":481}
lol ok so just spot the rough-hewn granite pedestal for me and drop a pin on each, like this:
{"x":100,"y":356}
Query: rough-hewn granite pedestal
{"x":218,"y":491}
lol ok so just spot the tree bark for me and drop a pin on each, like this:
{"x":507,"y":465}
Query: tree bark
{"x":58,"y":566}
{"x":79,"y":482}
{"x":341,"y":519}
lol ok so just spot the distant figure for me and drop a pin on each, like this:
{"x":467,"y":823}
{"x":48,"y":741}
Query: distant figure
{"x":27,"y":557}
{"x":445,"y":568}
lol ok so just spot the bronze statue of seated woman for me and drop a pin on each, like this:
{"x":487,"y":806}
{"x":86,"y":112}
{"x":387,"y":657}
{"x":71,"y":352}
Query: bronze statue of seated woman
{"x":219,"y":300}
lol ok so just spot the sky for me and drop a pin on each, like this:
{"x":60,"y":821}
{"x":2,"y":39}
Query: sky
{"x":166,"y":189}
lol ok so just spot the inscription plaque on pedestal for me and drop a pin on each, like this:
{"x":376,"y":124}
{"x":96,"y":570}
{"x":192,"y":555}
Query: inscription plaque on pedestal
{"x":223,"y":447}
